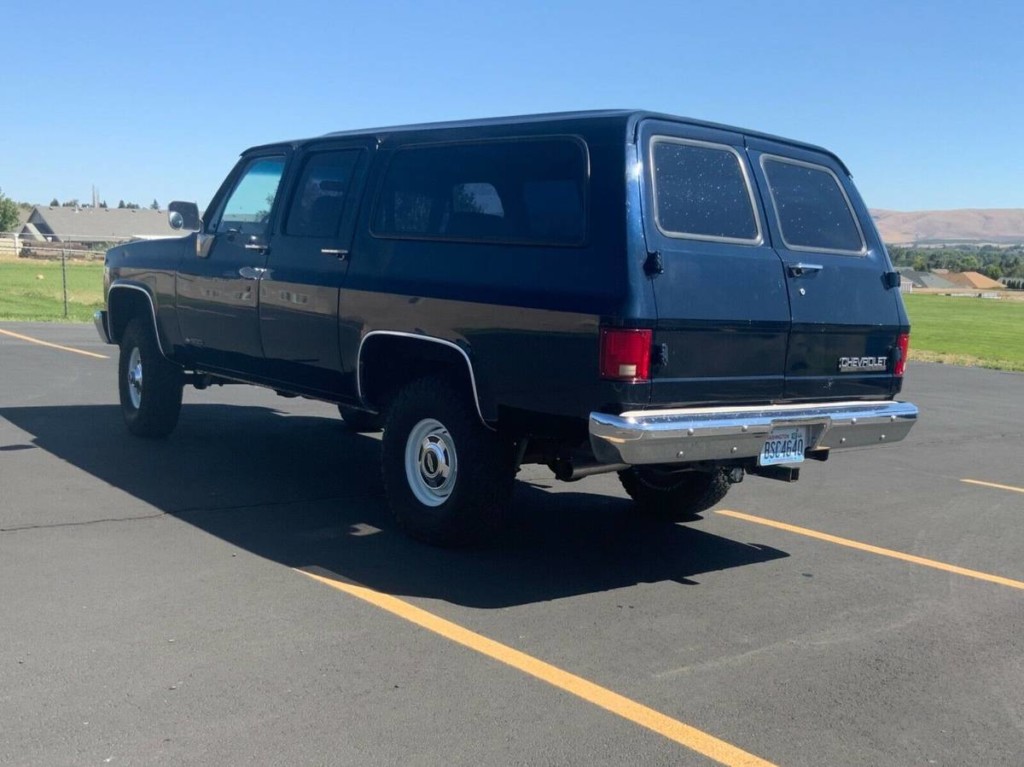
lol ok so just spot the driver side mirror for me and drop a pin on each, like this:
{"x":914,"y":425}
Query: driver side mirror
{"x":184,"y":215}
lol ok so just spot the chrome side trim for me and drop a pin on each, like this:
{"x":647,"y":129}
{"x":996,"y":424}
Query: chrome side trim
{"x":418,"y":337}
{"x":99,"y":319}
{"x":719,"y":433}
{"x":152,"y":308}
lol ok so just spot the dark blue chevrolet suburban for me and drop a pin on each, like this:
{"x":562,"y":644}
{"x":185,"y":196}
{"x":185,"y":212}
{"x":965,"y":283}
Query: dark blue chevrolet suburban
{"x":679,"y":302}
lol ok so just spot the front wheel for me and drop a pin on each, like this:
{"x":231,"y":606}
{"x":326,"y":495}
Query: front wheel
{"x":673,"y":496}
{"x":149,"y":385}
{"x":448,"y":479}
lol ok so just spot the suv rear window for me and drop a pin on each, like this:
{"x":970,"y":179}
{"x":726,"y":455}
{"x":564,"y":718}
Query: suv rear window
{"x":531,"y":191}
{"x":813,"y":210}
{"x":702,"y":192}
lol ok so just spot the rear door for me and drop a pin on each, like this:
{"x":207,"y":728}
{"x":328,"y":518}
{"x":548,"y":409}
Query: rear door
{"x":723,"y":309}
{"x":299,"y":291}
{"x":846,"y":314}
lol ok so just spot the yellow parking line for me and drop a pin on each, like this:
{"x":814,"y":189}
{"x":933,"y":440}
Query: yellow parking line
{"x":31,"y":340}
{"x":684,"y":734}
{"x":1011,"y":488}
{"x":876,"y":549}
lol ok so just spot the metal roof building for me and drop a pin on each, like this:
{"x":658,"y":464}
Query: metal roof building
{"x":65,"y":224}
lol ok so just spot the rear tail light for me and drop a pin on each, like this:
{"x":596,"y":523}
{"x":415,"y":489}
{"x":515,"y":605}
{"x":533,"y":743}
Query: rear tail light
{"x":626,"y":354}
{"x":901,"y":352}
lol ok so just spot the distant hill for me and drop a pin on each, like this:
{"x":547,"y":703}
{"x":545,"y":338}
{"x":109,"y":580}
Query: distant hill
{"x":969,"y":226}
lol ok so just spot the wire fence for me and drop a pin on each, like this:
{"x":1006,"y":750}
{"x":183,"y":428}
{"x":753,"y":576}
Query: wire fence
{"x":69,"y":247}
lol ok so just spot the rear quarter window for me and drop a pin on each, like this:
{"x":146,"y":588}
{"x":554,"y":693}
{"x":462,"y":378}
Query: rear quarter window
{"x":522,"y":191}
{"x":702,"y":191}
{"x":813,"y":210}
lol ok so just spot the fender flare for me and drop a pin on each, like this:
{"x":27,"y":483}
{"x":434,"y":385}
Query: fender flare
{"x":426,"y":338}
{"x":118,"y":285}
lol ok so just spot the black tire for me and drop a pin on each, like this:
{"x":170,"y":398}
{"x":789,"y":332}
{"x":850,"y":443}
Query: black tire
{"x":673,"y":497}
{"x":150,"y":410}
{"x":360,"y":420}
{"x":448,"y":478}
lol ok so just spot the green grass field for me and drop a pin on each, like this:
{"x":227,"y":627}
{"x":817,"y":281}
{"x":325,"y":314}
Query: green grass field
{"x":33,"y":290}
{"x":959,"y":331}
{"x":967,"y":331}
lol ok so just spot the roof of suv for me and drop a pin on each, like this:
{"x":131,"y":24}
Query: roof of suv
{"x":628,"y":118}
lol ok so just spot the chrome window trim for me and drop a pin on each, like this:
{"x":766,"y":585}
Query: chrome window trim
{"x":152,"y":308}
{"x":418,"y":337}
{"x":842,"y":190}
{"x":751,"y":197}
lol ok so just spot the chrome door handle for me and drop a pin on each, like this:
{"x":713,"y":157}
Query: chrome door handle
{"x":800,"y":270}
{"x":255,"y":243}
{"x":341,"y":253}
{"x":251,"y":272}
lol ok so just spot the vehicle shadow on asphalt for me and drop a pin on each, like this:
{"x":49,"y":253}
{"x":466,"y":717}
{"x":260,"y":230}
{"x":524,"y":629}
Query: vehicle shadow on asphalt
{"x":306,"y":492}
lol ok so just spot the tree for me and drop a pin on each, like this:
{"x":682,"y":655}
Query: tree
{"x":1014,"y":266}
{"x":993,"y":271}
{"x":54,"y":203}
{"x":120,"y":205}
{"x":8,"y":213}
{"x":155,"y":205}
{"x":103,"y":204}
{"x":965,"y":263}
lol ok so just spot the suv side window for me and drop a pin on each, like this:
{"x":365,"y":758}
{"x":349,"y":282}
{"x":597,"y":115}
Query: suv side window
{"x":247,"y":209}
{"x":813,"y":210}
{"x":529,"y":191}
{"x":319,"y":201}
{"x":702,"y":191}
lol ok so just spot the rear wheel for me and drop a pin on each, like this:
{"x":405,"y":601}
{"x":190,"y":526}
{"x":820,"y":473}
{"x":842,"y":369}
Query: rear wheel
{"x":447,"y":477}
{"x":360,"y":420}
{"x":149,"y":384}
{"x":673,"y":496}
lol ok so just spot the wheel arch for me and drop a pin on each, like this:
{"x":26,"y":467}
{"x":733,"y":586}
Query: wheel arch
{"x":126,"y":300}
{"x":388,"y":359}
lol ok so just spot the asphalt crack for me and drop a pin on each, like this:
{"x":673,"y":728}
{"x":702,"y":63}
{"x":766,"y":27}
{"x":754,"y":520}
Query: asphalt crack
{"x":52,"y":525}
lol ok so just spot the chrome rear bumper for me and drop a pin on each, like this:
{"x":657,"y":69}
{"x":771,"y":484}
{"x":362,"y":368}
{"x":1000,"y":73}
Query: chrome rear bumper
{"x":718,"y":433}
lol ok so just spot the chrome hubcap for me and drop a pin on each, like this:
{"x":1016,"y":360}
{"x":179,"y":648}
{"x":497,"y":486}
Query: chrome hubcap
{"x":135,"y":378}
{"x":431,"y":463}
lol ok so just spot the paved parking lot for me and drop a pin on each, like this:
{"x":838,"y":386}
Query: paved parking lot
{"x":159,"y":604}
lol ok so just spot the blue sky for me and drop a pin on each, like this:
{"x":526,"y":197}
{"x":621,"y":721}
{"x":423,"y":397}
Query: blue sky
{"x":923,"y":100}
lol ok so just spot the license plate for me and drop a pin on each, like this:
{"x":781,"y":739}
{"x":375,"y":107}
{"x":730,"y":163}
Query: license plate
{"x":786,"y":444}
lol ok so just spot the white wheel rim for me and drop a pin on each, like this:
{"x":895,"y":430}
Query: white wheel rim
{"x":431,"y":463}
{"x":135,"y":377}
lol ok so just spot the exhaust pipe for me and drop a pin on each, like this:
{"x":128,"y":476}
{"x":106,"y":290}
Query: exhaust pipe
{"x":567,"y":471}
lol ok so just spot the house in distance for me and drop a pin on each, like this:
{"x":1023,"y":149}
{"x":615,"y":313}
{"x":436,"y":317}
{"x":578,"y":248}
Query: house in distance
{"x":83,"y":229}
